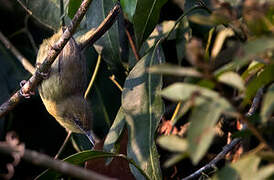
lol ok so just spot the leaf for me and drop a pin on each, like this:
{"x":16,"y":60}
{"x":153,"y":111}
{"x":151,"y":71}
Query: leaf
{"x":185,"y":91}
{"x":47,"y":12}
{"x":252,"y":69}
{"x":73,"y":6}
{"x":232,"y":79}
{"x":143,"y":109}
{"x":175,"y":159}
{"x":250,"y":50}
{"x":114,"y":133}
{"x":145,"y":18}
{"x":268,"y":104}
{"x":265,"y":77}
{"x":246,"y":168}
{"x":201,"y":130}
{"x":172,"y":143}
{"x":109,"y":44}
{"x":129,"y":7}
{"x":227,"y":173}
{"x":79,"y":159}
{"x":174,"y":70}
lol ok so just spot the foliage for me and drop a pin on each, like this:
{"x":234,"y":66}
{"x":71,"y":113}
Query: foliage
{"x":210,"y":61}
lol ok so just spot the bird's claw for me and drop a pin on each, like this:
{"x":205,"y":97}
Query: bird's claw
{"x":26,"y":95}
{"x":41,"y":74}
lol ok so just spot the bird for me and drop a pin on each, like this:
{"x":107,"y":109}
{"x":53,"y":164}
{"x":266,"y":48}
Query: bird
{"x":62,"y":91}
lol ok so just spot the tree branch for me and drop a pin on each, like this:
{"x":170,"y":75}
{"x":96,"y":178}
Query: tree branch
{"x":57,"y":165}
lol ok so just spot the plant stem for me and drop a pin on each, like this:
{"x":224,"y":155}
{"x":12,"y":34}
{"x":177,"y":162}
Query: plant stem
{"x":93,"y":76}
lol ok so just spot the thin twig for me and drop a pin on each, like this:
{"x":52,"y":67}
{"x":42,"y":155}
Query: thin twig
{"x":57,"y":165}
{"x":132,"y":45}
{"x":212,"y":164}
{"x":63,"y":145}
{"x":93,"y":76}
{"x":103,"y":27}
{"x":32,"y":83}
{"x":26,"y":64}
{"x":112,"y":78}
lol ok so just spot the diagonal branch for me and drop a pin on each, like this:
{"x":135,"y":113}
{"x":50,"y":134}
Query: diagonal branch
{"x":26,"y":64}
{"x":32,"y":83}
{"x":57,"y":165}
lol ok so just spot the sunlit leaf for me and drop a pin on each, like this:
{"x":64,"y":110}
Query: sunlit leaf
{"x":185,"y":91}
{"x":268,"y":104}
{"x":174,"y":70}
{"x":232,"y":79}
{"x":172,"y":143}
{"x":201,"y":130}
{"x":143,"y":109}
{"x":252,"y":69}
{"x":145,"y":18}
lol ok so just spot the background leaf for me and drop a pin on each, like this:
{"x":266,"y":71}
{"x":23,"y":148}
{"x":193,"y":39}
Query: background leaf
{"x":145,"y":18}
{"x":47,"y":11}
{"x":129,"y":7}
{"x":232,"y":79}
{"x":143,"y":109}
{"x":268,"y":104}
{"x":201,"y":130}
{"x":109,"y":44}
{"x":173,"y":143}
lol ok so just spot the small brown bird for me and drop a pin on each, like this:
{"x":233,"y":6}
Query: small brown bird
{"x":62,"y":92}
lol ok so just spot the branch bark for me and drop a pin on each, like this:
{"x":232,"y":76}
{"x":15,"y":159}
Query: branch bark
{"x":57,"y":165}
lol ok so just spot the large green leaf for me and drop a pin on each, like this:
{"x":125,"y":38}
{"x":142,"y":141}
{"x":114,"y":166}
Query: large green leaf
{"x":143,"y":109}
{"x":110,"y":144}
{"x":145,"y":18}
{"x":79,"y":159}
{"x":108,"y":45}
{"x":46,"y":11}
{"x":202,"y":128}
{"x":268,"y":104}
